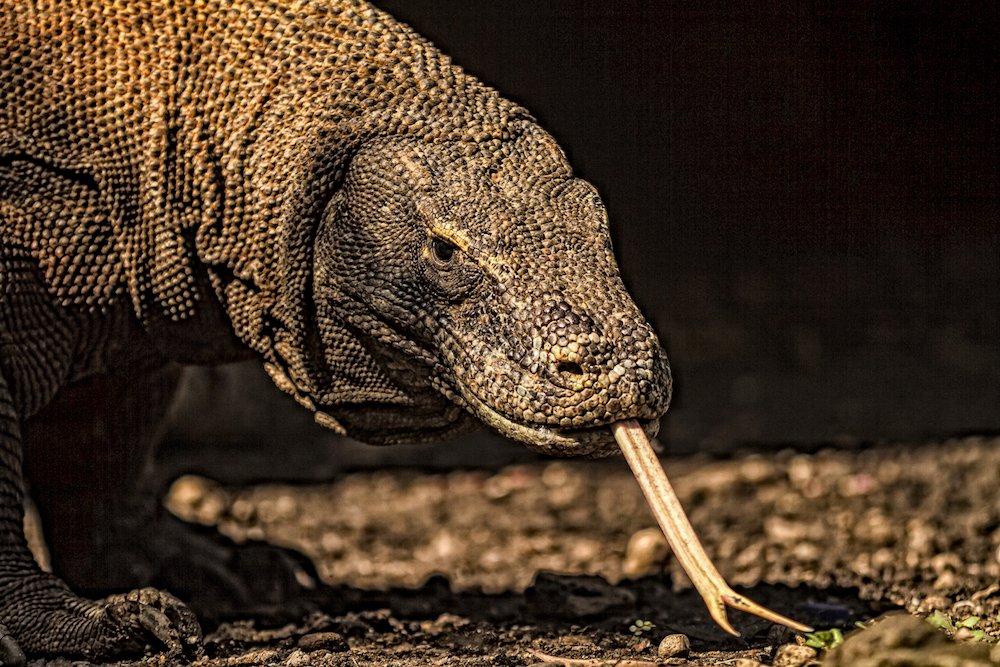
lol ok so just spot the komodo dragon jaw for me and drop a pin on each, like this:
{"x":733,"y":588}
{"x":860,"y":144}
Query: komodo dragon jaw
{"x":493,"y":261}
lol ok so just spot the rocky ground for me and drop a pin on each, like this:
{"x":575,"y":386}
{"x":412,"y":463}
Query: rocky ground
{"x":558,"y":563}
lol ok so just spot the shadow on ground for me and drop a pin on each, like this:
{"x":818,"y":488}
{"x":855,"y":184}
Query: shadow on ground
{"x":442,"y":567}
{"x":582,"y":618}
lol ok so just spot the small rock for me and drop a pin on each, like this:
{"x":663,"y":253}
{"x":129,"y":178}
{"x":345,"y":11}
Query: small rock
{"x":793,"y":655}
{"x":330,"y":641}
{"x":746,"y":662}
{"x":785,"y":531}
{"x":555,"y":474}
{"x":962,"y":635}
{"x":674,"y":646}
{"x":945,"y":562}
{"x":297,"y":658}
{"x":900,"y":640}
{"x":933,"y":603}
{"x":196,"y":499}
{"x":946,"y":581}
{"x":243,"y":510}
{"x":806,"y":552}
{"x":646,"y":549}
{"x":274,"y":510}
{"x":255,"y":657}
{"x":450,"y":621}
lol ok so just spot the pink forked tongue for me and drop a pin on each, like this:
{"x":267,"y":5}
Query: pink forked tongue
{"x":680,"y":535}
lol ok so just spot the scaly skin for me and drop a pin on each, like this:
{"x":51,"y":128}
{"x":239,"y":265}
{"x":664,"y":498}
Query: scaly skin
{"x":310,"y":183}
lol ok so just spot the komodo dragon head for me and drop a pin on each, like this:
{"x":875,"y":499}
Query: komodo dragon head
{"x":481,"y":274}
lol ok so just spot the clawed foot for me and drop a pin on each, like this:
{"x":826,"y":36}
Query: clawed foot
{"x":157,"y":617}
{"x":56,"y":622}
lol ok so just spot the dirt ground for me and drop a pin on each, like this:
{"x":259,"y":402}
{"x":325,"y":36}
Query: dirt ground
{"x":555,"y":563}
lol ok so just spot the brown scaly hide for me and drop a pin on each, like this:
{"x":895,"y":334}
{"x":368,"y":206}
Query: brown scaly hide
{"x":178,"y":159}
{"x":314,"y":184}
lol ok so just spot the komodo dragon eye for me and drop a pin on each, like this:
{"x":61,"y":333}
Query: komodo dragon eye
{"x":450,"y":273}
{"x":442,"y":250}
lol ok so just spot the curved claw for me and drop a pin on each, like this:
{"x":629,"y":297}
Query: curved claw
{"x":159,"y":615}
{"x":156,"y":623}
{"x":11,"y":654}
{"x":680,"y":534}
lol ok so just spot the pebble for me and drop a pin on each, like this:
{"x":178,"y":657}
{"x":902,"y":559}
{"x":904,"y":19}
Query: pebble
{"x":196,"y":499}
{"x":443,"y":623}
{"x":933,"y":603}
{"x":964,"y":608}
{"x":946,"y":581}
{"x":330,"y":641}
{"x":747,"y":662}
{"x":255,"y":657}
{"x":646,"y":549}
{"x":297,"y":658}
{"x":962,"y":635}
{"x":282,"y":508}
{"x":785,"y":531}
{"x":188,"y":490}
{"x":793,"y":655}
{"x":806,"y":552}
{"x":674,"y":646}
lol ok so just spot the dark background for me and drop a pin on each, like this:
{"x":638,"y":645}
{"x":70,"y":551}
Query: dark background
{"x":804,"y":200}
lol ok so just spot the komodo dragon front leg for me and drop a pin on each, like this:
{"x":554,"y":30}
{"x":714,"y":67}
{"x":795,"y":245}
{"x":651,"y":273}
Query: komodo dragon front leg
{"x":37,"y":609}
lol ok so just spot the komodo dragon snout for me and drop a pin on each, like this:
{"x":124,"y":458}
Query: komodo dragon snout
{"x":490,"y":263}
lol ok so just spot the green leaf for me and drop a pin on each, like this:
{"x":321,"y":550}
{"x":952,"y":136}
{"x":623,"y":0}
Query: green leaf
{"x":969,"y":622}
{"x":942,"y":621}
{"x":824,"y":639}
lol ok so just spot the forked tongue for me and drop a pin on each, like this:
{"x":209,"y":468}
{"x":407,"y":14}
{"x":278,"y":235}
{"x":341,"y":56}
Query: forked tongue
{"x":680,"y":535}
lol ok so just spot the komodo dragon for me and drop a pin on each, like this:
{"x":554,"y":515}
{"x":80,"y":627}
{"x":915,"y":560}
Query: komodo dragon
{"x":307,"y":182}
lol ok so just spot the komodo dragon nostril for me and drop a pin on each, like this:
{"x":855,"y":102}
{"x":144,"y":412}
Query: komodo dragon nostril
{"x":569,"y":368}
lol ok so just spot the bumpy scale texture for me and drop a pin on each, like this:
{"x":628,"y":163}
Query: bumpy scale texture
{"x":310,"y":183}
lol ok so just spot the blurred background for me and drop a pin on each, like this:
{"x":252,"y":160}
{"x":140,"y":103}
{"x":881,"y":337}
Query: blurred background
{"x":804,"y":198}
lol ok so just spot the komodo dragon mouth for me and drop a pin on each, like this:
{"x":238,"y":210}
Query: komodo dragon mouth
{"x":588,"y":442}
